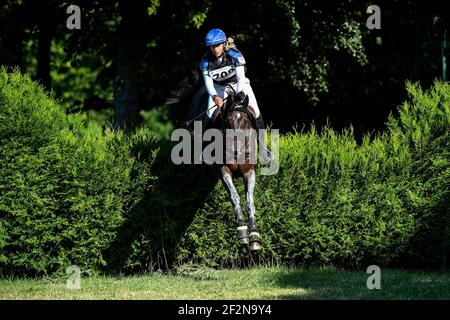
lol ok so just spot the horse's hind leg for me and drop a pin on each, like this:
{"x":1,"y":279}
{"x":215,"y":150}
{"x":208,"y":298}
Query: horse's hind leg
{"x":242,"y":232}
{"x":250,"y":180}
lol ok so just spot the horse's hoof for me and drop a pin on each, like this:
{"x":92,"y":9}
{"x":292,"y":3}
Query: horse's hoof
{"x":242,"y":234}
{"x":244,"y":241}
{"x":255,"y":241}
{"x":255,"y":246}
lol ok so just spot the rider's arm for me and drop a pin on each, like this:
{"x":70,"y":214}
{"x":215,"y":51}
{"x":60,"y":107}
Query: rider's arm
{"x":209,"y":84}
{"x":240,"y":77}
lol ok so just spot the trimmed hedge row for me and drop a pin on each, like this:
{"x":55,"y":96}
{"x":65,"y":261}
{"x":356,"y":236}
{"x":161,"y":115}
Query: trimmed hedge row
{"x":72,"y":193}
{"x":65,"y":185}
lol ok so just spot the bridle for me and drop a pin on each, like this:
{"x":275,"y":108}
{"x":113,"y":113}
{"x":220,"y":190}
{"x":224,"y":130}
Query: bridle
{"x":235,"y":108}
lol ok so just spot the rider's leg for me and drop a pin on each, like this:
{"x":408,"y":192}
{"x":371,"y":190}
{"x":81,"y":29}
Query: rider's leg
{"x":213,"y":111}
{"x":212,"y":116}
{"x":211,"y":108}
{"x":266,"y":155}
{"x":207,"y":118}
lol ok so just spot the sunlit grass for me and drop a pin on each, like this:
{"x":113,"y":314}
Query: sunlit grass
{"x":261,"y":283}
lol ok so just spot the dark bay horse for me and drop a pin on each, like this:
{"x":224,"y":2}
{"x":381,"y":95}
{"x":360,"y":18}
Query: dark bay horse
{"x":236,"y":118}
{"x":234,"y":115}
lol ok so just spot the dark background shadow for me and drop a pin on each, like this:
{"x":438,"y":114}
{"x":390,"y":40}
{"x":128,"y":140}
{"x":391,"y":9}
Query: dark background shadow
{"x":332,"y":284}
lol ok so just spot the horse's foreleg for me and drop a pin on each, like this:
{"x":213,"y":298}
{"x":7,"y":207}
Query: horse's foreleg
{"x":250,"y":189}
{"x":242,"y":232}
{"x":250,"y":181}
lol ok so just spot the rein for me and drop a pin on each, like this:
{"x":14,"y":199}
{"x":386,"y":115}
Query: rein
{"x":188,"y":123}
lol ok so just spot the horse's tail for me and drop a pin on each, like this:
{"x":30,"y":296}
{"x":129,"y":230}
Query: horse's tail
{"x":181,"y":98}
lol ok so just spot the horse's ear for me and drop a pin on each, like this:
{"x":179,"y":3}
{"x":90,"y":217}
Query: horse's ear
{"x":245,"y":102}
{"x":240,"y":96}
{"x":230,"y":100}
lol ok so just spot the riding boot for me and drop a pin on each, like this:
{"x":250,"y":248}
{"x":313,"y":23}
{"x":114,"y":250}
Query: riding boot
{"x":266,"y":155}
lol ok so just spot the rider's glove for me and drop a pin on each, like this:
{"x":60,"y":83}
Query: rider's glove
{"x":218,"y":101}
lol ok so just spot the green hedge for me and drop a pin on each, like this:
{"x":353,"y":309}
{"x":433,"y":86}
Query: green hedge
{"x":66,"y":186}
{"x":73,"y":193}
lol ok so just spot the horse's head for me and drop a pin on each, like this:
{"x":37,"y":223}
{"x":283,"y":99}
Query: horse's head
{"x":237,"y":118}
{"x":236,"y":113}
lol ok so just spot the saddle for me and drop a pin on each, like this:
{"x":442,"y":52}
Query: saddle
{"x":199,"y":104}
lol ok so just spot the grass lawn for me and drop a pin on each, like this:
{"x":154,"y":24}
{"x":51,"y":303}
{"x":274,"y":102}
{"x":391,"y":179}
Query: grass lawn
{"x":259,"y":283}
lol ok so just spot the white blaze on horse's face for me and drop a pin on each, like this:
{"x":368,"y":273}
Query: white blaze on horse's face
{"x":239,"y":121}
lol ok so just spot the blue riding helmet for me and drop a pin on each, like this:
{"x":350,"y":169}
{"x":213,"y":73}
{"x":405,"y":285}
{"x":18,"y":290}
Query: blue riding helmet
{"x":215,"y":36}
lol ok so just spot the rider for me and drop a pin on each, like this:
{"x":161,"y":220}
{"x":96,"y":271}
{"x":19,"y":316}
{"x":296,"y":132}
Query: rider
{"x":224,"y":65}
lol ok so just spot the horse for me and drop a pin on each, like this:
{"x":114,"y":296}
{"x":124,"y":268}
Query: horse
{"x":236,"y":115}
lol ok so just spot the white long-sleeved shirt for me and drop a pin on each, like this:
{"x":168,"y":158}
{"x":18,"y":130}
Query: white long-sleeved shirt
{"x":209,"y":82}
